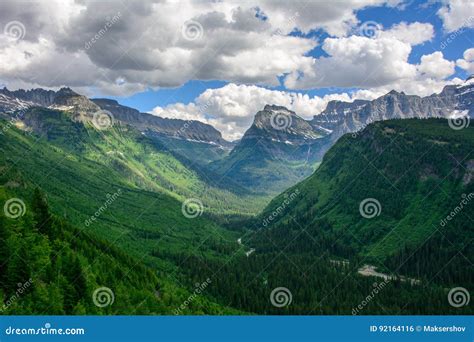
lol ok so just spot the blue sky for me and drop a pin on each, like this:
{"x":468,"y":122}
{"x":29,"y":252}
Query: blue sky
{"x":415,"y":11}
{"x":220,"y":62}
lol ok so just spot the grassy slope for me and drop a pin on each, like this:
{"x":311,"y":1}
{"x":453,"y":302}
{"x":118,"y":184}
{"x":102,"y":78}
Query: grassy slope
{"x":255,"y":167}
{"x":78,"y":184}
{"x":145,"y":163}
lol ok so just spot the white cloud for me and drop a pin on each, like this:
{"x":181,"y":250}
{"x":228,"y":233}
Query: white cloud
{"x":231,"y":109}
{"x":457,"y":14}
{"x":436,"y":66}
{"x":413,"y":34}
{"x":146,"y":47}
{"x":467,"y":63}
{"x":356,"y":61}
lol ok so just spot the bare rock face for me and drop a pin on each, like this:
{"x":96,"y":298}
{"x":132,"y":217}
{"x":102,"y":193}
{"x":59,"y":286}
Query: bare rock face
{"x":342,"y":117}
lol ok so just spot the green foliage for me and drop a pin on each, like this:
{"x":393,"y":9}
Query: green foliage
{"x":57,"y":270}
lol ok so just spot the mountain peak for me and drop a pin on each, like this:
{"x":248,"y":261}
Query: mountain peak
{"x":276,"y":108}
{"x":66,"y":91}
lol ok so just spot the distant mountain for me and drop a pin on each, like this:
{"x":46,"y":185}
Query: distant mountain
{"x":379,"y":201}
{"x":278,"y":150}
{"x":273,"y":153}
{"x":180,"y":129}
{"x":192,"y":139}
{"x":280,"y":147}
{"x":197,"y":141}
{"x":342,"y":117}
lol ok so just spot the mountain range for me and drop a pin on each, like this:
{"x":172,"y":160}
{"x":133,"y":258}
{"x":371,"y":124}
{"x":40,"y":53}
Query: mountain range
{"x":132,"y":197}
{"x":279,"y":149}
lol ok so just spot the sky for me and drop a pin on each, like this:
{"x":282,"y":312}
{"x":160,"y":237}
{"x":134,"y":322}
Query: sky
{"x":220,"y":62}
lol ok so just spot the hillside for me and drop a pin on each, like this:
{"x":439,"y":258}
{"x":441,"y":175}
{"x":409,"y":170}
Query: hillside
{"x":417,"y":172}
{"x":54,"y":268}
{"x":80,"y":180}
{"x":141,"y":161}
{"x":313,"y":240}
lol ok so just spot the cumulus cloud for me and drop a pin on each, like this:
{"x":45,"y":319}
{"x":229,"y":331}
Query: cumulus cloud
{"x":457,"y":14}
{"x":380,"y":61}
{"x":231,"y":108}
{"x":148,"y":47}
{"x":467,"y":63}
{"x":434,"y":65}
{"x":356,"y":61}
{"x":413,"y":34}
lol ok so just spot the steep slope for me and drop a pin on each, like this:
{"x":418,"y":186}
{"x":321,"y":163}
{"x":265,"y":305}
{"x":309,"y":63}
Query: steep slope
{"x":342,"y":117}
{"x":385,"y":196}
{"x":194,"y":140}
{"x":50,"y":267}
{"x":144,"y":162}
{"x":274,"y":153}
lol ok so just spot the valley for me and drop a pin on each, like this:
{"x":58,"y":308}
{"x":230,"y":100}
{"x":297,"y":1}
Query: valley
{"x":160,"y":205}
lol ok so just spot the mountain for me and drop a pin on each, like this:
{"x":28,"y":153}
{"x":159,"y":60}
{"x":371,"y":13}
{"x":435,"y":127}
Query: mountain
{"x":63,"y":99}
{"x":192,"y":139}
{"x":342,"y":117}
{"x":198,"y":142}
{"x":412,"y":173}
{"x":122,"y":190}
{"x":56,"y":268}
{"x":372,"y":216}
{"x":273,"y":153}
